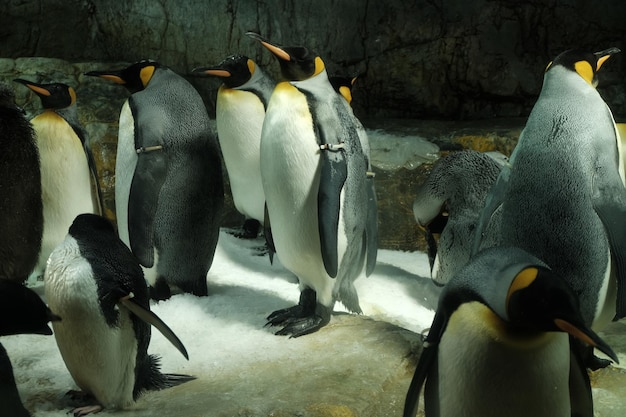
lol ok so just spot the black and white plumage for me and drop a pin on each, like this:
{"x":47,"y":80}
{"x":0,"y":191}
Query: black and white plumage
{"x":21,"y":213}
{"x":69,"y":181}
{"x":169,"y":190}
{"x":562,"y":198}
{"x":499,"y":344}
{"x":96,"y":284}
{"x":239,"y":114}
{"x":320,"y":198}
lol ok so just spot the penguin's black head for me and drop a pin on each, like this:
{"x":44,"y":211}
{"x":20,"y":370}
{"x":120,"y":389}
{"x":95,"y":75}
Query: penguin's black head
{"x":85,"y":224}
{"x":54,"y":96}
{"x":135,"y":77}
{"x":235,"y":70}
{"x":22,"y":310}
{"x":297,"y":63}
{"x":343,"y":85}
{"x":540,"y":300}
{"x":584,"y":63}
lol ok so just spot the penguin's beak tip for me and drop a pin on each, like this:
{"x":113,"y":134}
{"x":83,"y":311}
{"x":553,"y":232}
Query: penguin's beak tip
{"x":255,"y":36}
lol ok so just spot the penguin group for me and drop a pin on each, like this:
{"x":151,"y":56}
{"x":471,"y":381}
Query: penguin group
{"x":536,"y":267}
{"x":524,"y":291}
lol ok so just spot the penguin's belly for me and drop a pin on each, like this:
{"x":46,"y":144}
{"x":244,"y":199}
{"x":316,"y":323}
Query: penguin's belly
{"x":100,"y":359}
{"x":290,"y":169}
{"x":239,"y":121}
{"x":484,"y":371}
{"x":65,"y":179}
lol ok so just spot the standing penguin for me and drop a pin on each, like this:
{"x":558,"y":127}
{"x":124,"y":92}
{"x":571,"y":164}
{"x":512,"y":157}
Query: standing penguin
{"x":314,"y":164}
{"x":240,"y":110}
{"x":21,"y":213}
{"x":95,"y":283}
{"x":168,"y":178}
{"x":454,"y":192}
{"x":498,"y":344}
{"x":21,"y":311}
{"x":563,"y":197}
{"x":69,"y":184}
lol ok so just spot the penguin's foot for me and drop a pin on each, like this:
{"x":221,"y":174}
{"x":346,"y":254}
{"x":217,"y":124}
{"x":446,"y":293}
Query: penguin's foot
{"x":160,"y":291}
{"x":90,"y":409}
{"x":250,"y":229}
{"x":297,"y":327}
{"x":594,"y":363}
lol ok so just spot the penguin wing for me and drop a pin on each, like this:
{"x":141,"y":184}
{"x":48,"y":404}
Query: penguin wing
{"x":610,"y":205}
{"x":148,"y":179}
{"x":427,"y":360}
{"x":333,"y":174}
{"x":493,"y":201}
{"x":151,"y":318}
{"x":371,"y":227}
{"x":267,"y":231}
{"x":581,"y":400}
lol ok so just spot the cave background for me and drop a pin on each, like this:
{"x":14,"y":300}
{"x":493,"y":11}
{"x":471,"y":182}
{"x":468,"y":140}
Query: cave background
{"x":434,"y":59}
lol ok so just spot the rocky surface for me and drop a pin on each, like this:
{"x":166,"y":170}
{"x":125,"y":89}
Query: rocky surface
{"x":417,"y":59}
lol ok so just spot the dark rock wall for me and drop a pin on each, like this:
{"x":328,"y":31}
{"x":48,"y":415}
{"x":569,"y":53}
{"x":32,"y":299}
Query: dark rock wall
{"x":438,"y":58}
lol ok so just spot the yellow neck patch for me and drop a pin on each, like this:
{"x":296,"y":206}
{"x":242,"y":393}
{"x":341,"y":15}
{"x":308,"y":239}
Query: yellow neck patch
{"x":72,"y":96}
{"x":146,"y":74}
{"x":346,"y":93}
{"x":585,"y":70}
{"x":522,"y":280}
{"x":251,"y":66}
{"x":319,"y":66}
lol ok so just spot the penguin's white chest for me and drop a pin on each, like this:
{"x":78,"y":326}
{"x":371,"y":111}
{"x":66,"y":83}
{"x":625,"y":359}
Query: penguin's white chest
{"x":239,"y":118}
{"x":290,"y":171}
{"x":100,"y":359}
{"x":65,"y":179}
{"x":485,"y":372}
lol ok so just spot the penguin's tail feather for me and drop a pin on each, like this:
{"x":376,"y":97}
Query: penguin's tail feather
{"x":150,"y":378}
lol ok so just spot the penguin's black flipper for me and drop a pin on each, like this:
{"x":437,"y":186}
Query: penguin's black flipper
{"x":149,"y":176}
{"x":428,"y":358}
{"x":22,"y":311}
{"x":267,"y":231}
{"x":371,"y":226}
{"x":334,"y":172}
{"x":610,"y":205}
{"x":581,"y":400}
{"x":151,"y":318}
{"x":95,"y":180}
{"x":493,"y":201}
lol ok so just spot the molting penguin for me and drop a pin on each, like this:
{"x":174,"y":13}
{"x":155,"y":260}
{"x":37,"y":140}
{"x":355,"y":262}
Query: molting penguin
{"x":499,"y":346}
{"x":563,"y":197}
{"x":69,"y":183}
{"x":448,"y":204}
{"x":96,"y":284}
{"x":169,"y":192}
{"x":240,"y":110}
{"x":21,"y":311}
{"x":21,"y":213}
{"x":314,"y":164}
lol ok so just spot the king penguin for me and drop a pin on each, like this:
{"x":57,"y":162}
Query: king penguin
{"x":240,"y":111}
{"x":499,"y":345}
{"x":563,"y":197}
{"x":169,"y":192}
{"x":97,"y":286}
{"x":454,"y":193}
{"x":319,"y":198}
{"x":21,"y":312}
{"x":21,"y":212}
{"x":69,"y":183}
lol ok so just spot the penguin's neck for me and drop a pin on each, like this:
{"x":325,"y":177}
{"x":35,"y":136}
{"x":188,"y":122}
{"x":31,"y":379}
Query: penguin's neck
{"x":318,"y":85}
{"x":487,"y":368}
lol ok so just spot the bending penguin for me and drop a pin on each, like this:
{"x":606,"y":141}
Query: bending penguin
{"x":563,"y":197}
{"x":500,"y":343}
{"x":448,"y":204}
{"x":169,"y":192}
{"x":21,"y":312}
{"x":69,"y":182}
{"x":320,"y":201}
{"x":21,"y":211}
{"x":240,"y":111}
{"x":96,"y":284}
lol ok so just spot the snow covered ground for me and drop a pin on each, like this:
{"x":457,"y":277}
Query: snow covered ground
{"x":225,"y":331}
